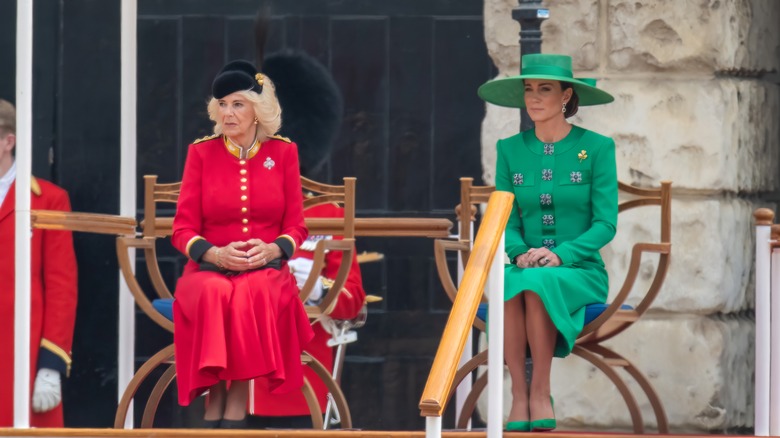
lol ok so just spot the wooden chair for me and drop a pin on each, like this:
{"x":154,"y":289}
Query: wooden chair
{"x":603,"y":322}
{"x":154,"y":227}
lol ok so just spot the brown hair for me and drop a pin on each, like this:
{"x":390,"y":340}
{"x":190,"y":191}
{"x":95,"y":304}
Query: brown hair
{"x":573,"y":104}
{"x":7,"y":118}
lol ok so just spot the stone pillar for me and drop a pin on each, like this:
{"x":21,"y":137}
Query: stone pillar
{"x":695,"y":105}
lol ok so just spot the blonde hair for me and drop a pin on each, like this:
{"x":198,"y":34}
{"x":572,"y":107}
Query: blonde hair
{"x":266,"y":106}
{"x":7,"y":117}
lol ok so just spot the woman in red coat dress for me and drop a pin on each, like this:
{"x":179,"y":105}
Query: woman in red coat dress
{"x":239,"y":217}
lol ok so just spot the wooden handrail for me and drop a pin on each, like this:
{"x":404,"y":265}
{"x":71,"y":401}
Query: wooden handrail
{"x":85,"y":222}
{"x":464,"y":309}
{"x":364,"y":227}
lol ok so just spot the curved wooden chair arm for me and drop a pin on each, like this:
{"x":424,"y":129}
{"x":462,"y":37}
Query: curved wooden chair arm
{"x":596,"y":330}
{"x":123,"y":244}
{"x":347,"y":247}
{"x":440,"y":248}
{"x":160,"y":227}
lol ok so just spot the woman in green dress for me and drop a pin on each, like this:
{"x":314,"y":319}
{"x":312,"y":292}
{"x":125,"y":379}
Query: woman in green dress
{"x":565,"y":185}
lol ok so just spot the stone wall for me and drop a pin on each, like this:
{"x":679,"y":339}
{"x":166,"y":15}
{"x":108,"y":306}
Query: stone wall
{"x":692,"y":106}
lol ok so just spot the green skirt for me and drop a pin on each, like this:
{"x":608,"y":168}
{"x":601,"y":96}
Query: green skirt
{"x":565,"y":291}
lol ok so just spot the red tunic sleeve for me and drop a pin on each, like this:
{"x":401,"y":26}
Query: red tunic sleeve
{"x":293,"y":224}
{"x":60,"y":285}
{"x":189,"y":212}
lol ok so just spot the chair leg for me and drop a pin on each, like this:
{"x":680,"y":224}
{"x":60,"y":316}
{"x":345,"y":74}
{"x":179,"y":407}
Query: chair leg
{"x":153,"y":402}
{"x":471,"y":401}
{"x":466,"y":370}
{"x":333,"y":388}
{"x":314,"y":405}
{"x":162,"y":356}
{"x":633,"y":407}
{"x":652,"y":396}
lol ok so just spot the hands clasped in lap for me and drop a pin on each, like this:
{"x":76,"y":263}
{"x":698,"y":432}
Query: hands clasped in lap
{"x":537,"y":258}
{"x":244,"y":256}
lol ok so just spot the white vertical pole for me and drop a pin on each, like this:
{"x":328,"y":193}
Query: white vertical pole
{"x":774,"y":388}
{"x":433,"y":427}
{"x":22,"y":260}
{"x":763,"y":276}
{"x":465,"y":386}
{"x":495,"y":415}
{"x":127,"y":195}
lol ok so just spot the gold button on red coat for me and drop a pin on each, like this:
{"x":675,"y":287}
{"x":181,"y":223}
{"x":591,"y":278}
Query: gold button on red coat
{"x":243,"y":180}
{"x":243,"y":209}
{"x":243,"y":188}
{"x":245,"y":220}
{"x":242,"y":171}
{"x":243,"y":197}
{"x":242,"y":162}
{"x":246,"y":230}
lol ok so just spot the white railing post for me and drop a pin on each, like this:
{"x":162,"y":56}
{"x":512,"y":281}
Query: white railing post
{"x":465,"y":386}
{"x":763,"y":314}
{"x":433,"y":427}
{"x":127,"y":195}
{"x":774,"y":354}
{"x":495,"y":411}
{"x":22,"y":221}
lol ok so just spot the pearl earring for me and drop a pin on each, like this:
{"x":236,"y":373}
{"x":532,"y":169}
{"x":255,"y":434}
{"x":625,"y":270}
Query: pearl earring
{"x":563,"y":109}
{"x":256,"y":121}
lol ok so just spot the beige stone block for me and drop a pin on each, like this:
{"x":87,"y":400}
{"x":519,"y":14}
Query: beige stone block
{"x":573,"y":29}
{"x":689,"y":37}
{"x":711,"y":261}
{"x":692,"y":36}
{"x":502,"y":34}
{"x":700,"y":367}
{"x":711,"y":135}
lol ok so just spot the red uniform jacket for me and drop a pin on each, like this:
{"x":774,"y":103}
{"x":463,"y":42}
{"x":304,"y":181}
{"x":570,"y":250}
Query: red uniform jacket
{"x":249,"y":197}
{"x":54,"y":295}
{"x":349,"y":303}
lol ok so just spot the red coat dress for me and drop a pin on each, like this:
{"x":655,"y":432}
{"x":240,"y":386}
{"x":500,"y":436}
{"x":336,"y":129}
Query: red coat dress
{"x":349,"y":303}
{"x":54,"y":295}
{"x":250,"y":325}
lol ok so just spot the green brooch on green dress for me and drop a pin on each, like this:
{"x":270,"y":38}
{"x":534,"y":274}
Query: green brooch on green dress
{"x":582,"y":155}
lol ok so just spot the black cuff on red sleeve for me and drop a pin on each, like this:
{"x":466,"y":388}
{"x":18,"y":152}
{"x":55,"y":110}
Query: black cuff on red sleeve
{"x":199,"y":248}
{"x":47,"y":359}
{"x":286,"y":246}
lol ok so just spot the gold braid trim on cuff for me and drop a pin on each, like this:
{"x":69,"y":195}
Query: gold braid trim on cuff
{"x":190,"y":243}
{"x":62,"y":354}
{"x":288,"y":237}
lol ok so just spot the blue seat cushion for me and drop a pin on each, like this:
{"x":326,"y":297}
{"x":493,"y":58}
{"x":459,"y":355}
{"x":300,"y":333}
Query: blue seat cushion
{"x":164,"y":306}
{"x":482,"y":311}
{"x":592,"y":311}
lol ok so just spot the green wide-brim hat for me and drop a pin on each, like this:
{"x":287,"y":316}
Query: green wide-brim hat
{"x":509,"y":91}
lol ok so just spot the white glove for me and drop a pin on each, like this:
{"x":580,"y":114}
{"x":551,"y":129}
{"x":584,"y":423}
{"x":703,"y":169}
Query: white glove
{"x":47,"y":392}
{"x":301,"y":268}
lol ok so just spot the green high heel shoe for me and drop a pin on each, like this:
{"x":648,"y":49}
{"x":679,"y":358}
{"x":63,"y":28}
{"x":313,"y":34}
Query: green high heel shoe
{"x":545,"y":424}
{"x":518,"y":426}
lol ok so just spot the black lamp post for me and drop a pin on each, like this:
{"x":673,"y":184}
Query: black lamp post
{"x":530,"y":14}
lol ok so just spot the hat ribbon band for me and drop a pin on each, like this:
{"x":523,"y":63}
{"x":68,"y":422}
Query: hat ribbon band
{"x":546,"y":70}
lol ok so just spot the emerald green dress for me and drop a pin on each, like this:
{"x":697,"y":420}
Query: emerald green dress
{"x":565,"y":200}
